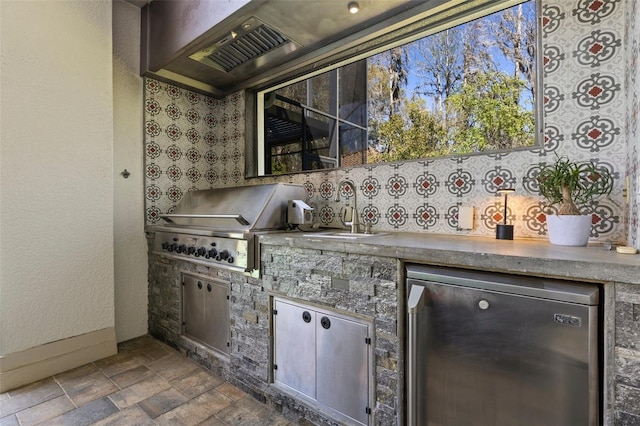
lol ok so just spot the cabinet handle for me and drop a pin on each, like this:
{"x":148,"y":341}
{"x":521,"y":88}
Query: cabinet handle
{"x":199,"y":285}
{"x":209,"y":288}
{"x":416,"y":301}
{"x":306,"y":316}
{"x":325,"y":322}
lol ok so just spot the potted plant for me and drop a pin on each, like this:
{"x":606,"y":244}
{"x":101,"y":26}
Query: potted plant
{"x":568,"y":184}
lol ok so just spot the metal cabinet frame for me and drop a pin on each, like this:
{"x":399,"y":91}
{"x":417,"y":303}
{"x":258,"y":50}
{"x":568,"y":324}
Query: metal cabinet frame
{"x":317,"y":354}
{"x":211,"y":317}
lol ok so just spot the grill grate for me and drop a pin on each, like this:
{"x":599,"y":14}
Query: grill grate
{"x":247,"y":47}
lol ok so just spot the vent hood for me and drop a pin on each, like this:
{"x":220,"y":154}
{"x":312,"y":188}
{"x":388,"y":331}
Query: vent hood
{"x":246,"y":48}
{"x":219,"y":47}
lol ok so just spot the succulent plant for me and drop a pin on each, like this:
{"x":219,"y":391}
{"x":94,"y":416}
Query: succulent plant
{"x":569,"y":184}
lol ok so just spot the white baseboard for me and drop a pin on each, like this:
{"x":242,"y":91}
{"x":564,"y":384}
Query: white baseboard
{"x":28,"y":366}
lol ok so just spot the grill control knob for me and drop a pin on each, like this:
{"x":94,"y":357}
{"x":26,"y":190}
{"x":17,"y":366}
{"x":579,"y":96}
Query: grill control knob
{"x":173,"y":247}
{"x":191,"y":250}
{"x":211,"y":253}
{"x":201,"y":251}
{"x":165,"y":246}
{"x":224,"y":255}
{"x":182,"y":248}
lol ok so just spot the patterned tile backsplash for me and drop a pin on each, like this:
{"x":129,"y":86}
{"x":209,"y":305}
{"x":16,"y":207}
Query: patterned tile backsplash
{"x":590,"y":89}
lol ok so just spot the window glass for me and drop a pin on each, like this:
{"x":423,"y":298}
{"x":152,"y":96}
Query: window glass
{"x":353,"y":100}
{"x":466,"y":89}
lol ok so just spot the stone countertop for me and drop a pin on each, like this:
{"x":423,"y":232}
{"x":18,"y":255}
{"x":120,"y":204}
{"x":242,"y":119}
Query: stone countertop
{"x":521,"y":256}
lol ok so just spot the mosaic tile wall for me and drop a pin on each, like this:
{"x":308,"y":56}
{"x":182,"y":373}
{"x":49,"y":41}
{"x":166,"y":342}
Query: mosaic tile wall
{"x":195,"y":142}
{"x":191,"y":142}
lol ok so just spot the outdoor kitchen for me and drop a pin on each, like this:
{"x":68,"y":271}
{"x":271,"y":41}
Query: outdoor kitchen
{"x":165,"y":204}
{"x":360,"y":277}
{"x":310,"y":275}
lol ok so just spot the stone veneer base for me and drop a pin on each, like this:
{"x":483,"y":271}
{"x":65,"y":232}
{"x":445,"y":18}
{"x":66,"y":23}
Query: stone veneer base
{"x":338,"y":278}
{"x":360,"y":285}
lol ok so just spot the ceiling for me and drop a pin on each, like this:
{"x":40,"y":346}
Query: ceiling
{"x":138,"y":3}
{"x":179,"y":31}
{"x":185,"y":38}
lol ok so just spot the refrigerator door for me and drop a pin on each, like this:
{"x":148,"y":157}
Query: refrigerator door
{"x":487,"y":358}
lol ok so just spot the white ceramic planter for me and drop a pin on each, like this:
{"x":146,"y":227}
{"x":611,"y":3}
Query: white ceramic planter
{"x":569,"y":230}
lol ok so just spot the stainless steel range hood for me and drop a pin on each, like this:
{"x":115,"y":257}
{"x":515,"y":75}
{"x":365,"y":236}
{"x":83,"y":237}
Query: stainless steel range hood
{"x":246,"y":48}
{"x":218,"y":47}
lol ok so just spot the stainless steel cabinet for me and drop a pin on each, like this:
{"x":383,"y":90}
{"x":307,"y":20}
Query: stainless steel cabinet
{"x":342,"y":366}
{"x":205,"y":311}
{"x":324,"y":356}
{"x":295,"y":347}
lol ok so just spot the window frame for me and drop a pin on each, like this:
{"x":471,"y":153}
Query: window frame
{"x":443,"y":18}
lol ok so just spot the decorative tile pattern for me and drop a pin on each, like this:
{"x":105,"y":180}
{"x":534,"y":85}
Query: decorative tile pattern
{"x":597,"y":48}
{"x":591,"y":112}
{"x":191,"y":142}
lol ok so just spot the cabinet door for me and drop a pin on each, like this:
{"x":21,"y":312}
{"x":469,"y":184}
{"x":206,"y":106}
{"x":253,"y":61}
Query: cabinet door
{"x":343,"y":366}
{"x":294,"y":347}
{"x":216,"y":315}
{"x":193,"y":307}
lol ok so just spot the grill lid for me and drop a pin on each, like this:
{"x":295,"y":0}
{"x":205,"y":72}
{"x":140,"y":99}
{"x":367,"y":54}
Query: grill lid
{"x":237,"y":209}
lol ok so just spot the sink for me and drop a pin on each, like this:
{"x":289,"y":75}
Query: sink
{"x":342,"y":235}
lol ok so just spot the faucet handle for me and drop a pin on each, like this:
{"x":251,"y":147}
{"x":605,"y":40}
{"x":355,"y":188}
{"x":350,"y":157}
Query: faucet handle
{"x":346,"y":215}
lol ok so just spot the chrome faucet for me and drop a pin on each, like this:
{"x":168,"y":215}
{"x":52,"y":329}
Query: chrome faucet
{"x":349,"y":215}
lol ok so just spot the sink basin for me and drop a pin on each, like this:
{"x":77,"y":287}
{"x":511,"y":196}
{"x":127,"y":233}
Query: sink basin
{"x":342,"y":235}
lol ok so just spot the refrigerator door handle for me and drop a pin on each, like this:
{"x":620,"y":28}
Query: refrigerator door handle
{"x":414,"y":303}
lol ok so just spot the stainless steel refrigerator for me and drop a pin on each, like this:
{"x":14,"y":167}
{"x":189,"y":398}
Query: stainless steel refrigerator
{"x":495,"y":349}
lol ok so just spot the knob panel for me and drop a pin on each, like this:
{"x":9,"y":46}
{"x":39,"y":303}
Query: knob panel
{"x":222,"y":251}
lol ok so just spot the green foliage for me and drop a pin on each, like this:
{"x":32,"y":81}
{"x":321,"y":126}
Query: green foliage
{"x":486,"y":114}
{"x":471,"y":100}
{"x":567,"y":183}
{"x":414,"y":134}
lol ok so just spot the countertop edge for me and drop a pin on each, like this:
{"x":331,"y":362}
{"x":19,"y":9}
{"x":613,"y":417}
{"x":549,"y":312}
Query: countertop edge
{"x":520,"y":256}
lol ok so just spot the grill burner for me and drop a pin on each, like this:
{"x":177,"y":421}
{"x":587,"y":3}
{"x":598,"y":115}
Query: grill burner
{"x":219,"y":227}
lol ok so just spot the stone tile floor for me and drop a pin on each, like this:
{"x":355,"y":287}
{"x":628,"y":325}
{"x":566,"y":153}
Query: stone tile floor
{"x":146,"y":383}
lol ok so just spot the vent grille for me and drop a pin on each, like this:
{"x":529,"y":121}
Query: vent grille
{"x":247,"y":47}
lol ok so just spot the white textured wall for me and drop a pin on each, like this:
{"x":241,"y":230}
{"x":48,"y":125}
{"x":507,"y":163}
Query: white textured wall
{"x":130,"y":245}
{"x":56,"y":168}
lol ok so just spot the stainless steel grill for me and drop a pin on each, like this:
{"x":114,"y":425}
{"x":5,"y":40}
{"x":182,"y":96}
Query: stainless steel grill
{"x":219,"y":227}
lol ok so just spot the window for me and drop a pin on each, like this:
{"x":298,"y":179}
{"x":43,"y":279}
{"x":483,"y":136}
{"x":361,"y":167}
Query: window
{"x":317,"y":123}
{"x":466,"y":89}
